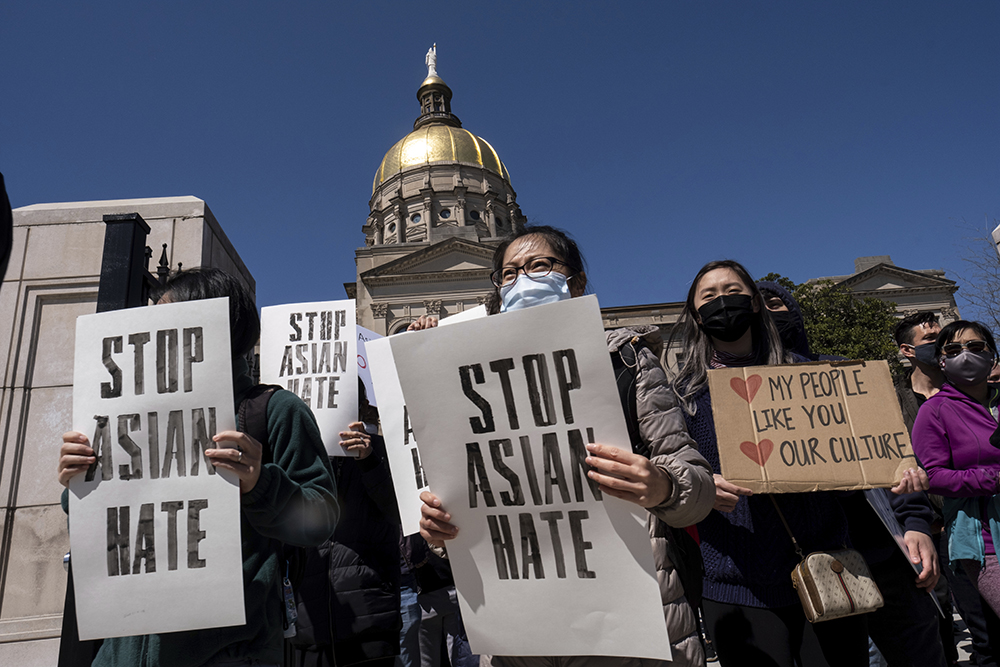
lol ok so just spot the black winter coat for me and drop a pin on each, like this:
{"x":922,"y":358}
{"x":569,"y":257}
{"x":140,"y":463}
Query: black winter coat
{"x":349,"y":594}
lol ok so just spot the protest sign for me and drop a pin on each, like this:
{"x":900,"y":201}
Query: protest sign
{"x":808,"y":427}
{"x":465,"y":315}
{"x":879,"y":501}
{"x":503,"y":407}
{"x":408,"y":476}
{"x":365,"y":335}
{"x":154,"y":528}
{"x":310,"y":349}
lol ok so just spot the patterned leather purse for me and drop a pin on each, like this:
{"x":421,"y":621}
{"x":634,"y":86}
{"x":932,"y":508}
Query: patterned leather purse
{"x":832,"y":584}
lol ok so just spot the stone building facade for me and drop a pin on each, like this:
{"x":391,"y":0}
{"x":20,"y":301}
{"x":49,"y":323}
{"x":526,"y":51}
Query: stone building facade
{"x":52,"y":279}
{"x":911,"y":290}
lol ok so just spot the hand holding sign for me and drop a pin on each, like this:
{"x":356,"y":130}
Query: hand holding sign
{"x":628,"y":476}
{"x":243,"y":458}
{"x":75,"y":456}
{"x":728,"y":494}
{"x":922,"y":552}
{"x":356,"y":440}
{"x":912,"y":481}
{"x":435,"y":526}
{"x":423,"y":322}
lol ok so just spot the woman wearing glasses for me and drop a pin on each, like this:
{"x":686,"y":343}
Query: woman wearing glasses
{"x":666,"y":475}
{"x":956,"y":438}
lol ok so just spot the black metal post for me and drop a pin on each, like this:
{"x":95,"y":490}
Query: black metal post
{"x":123,"y":268}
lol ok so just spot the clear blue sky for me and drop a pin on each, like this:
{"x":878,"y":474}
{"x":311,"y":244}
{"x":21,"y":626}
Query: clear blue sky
{"x":792,"y":136}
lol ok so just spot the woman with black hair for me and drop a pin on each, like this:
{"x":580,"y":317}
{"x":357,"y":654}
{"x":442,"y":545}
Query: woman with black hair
{"x":752,"y":613}
{"x":539,"y":265}
{"x":291,"y":500}
{"x":956,"y":438}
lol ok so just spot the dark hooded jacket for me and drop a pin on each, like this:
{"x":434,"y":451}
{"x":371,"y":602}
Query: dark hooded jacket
{"x":349,"y":595}
{"x":800,"y":344}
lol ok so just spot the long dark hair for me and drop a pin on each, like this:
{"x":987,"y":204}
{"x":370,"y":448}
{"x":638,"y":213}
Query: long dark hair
{"x":696,"y":345}
{"x":210,"y":283}
{"x":561,"y":243}
{"x":952,"y":329}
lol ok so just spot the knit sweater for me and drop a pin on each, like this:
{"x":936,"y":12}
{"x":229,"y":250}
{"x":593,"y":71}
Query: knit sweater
{"x":748,"y":554}
{"x":294,"y":501}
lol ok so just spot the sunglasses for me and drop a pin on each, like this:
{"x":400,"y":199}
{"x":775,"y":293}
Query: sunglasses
{"x":955,"y":349}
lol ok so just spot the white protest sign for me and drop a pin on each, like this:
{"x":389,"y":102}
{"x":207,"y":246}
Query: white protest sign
{"x":154,"y":529}
{"x":502,"y":408}
{"x":408,"y":477}
{"x":465,"y":316}
{"x":365,"y":335}
{"x":311,"y":350}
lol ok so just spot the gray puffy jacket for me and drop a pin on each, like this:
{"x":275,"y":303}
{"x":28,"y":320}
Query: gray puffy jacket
{"x":661,"y":427}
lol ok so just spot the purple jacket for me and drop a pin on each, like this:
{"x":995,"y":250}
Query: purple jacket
{"x":951,"y":437}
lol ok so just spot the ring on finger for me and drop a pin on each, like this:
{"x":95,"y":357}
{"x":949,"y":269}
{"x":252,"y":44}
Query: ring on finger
{"x":240,"y":459}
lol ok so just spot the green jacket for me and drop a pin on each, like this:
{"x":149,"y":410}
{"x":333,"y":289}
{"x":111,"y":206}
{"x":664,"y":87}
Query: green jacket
{"x":294,"y":501}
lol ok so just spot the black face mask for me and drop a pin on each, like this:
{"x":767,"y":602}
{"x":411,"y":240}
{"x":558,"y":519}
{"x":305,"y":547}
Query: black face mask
{"x":788,"y":327}
{"x":727,"y":317}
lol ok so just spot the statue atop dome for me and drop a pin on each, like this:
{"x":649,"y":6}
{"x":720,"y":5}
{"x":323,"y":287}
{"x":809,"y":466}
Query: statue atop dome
{"x":431,"y":60}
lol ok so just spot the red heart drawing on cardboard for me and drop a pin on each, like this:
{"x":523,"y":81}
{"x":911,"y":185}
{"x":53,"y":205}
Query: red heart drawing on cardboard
{"x":746,"y":390}
{"x":758,"y":453}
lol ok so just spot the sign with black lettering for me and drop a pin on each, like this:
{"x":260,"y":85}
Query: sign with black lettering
{"x":154,"y":527}
{"x":364,"y":370}
{"x":408,"y":478}
{"x":311,"y":350}
{"x":809,"y":427}
{"x":503,"y":408}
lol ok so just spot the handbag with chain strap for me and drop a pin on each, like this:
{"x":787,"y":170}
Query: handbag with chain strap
{"x":832,"y":584}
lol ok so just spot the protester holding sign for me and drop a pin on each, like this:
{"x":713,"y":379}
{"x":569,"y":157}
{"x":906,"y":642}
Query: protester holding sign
{"x":752,"y":612}
{"x":905,"y":628}
{"x":291,"y":500}
{"x":539,"y":265}
{"x":349,"y":603}
{"x":916,"y":335}
{"x":957,"y":439}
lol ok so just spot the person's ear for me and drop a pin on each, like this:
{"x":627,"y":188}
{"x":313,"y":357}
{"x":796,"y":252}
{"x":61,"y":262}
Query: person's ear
{"x":909,"y":354}
{"x":578,"y":284}
{"x":756,"y":301}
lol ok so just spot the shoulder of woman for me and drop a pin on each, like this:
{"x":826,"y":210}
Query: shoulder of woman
{"x":283,"y":402}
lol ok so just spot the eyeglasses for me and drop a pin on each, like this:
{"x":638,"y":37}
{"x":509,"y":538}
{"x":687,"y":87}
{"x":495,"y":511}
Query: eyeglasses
{"x":955,"y":349}
{"x":536,"y":267}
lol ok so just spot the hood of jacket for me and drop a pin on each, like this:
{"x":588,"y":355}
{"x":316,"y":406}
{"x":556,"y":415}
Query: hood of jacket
{"x":801,"y":345}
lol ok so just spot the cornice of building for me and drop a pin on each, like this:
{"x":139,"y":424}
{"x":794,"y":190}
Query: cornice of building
{"x":461,"y":275}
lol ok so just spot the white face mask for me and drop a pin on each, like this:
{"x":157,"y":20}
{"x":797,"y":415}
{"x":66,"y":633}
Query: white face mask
{"x":533,"y":290}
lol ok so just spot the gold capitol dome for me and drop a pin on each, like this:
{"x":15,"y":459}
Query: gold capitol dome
{"x":437,"y":135}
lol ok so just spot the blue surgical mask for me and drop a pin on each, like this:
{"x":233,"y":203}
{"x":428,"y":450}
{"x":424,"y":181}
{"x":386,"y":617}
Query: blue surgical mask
{"x":533,"y":290}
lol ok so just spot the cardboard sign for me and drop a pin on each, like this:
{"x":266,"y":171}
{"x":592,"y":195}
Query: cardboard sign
{"x":311,"y":350}
{"x":154,"y":528}
{"x":503,"y":407}
{"x":408,"y":476}
{"x":364,"y":372}
{"x":809,"y":427}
